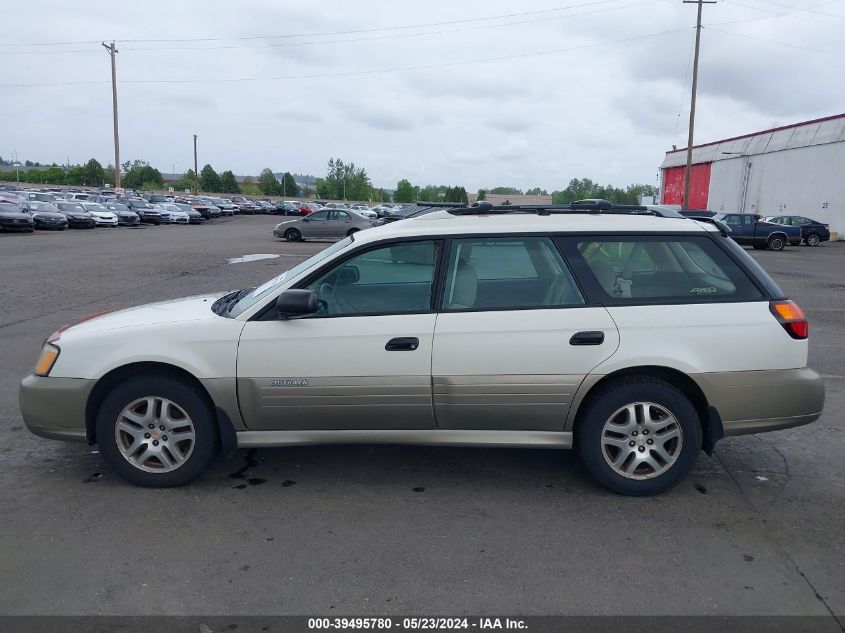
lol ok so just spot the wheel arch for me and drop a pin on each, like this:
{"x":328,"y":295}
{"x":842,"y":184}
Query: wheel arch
{"x":780,"y":234}
{"x":226,"y":432}
{"x":711,"y":422}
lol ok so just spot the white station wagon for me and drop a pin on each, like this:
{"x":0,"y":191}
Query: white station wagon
{"x":637,"y":338}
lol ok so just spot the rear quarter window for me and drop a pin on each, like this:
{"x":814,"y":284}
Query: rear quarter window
{"x":677,"y":269}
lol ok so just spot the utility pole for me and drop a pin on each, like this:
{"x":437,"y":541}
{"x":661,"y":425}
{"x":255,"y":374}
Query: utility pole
{"x":196,"y":175}
{"x":687,"y":171}
{"x":112,"y":50}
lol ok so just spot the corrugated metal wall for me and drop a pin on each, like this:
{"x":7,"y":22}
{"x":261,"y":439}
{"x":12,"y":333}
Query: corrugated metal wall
{"x":807,"y":181}
{"x":673,"y":186}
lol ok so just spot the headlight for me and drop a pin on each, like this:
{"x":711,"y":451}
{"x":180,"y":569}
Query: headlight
{"x":49,"y":354}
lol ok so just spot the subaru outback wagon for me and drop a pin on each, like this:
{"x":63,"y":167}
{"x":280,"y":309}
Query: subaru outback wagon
{"x":635,"y":338}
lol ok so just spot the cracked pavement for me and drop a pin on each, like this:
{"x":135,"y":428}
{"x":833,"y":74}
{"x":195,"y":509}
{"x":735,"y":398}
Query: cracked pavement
{"x":758,"y":529}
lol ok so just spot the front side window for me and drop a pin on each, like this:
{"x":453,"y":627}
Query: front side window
{"x":507,"y":273}
{"x":319,"y":216}
{"x":395,"y":279}
{"x":668,"y":268}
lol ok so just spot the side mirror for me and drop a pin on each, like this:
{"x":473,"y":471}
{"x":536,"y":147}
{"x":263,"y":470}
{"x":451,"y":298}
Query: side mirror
{"x":348,"y":275}
{"x":294,"y":303}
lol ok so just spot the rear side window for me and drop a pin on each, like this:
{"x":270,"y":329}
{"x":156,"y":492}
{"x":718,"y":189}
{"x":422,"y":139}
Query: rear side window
{"x":686,"y":269}
{"x":508,"y":273}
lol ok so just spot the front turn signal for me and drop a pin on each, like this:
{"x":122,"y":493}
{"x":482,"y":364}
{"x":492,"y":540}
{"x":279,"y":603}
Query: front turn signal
{"x":49,"y":354}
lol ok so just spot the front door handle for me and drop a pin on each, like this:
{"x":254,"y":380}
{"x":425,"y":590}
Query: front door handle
{"x":402,"y":344}
{"x":587,"y":338}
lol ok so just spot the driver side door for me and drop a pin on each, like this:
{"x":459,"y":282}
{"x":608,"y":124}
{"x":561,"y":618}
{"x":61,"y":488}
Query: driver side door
{"x":362,"y":362}
{"x":316,"y":226}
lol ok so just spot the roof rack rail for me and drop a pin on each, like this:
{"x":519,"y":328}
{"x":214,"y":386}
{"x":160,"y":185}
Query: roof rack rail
{"x":579,"y":206}
{"x":724,"y":229}
{"x":445,"y":205}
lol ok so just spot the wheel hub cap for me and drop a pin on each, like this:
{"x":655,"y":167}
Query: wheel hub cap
{"x":641,"y":440}
{"x":154,"y":434}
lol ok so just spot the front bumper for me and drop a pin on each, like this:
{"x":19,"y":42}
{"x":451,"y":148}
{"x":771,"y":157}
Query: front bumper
{"x":759,"y":401}
{"x":16,"y":225}
{"x":50,"y":224}
{"x":55,"y":407}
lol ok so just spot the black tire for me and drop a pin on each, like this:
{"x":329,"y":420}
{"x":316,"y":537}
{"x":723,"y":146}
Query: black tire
{"x":186,"y":396}
{"x":351,"y":232}
{"x":293,"y":235}
{"x":776,"y":243}
{"x":813,"y":239}
{"x":613,"y":397}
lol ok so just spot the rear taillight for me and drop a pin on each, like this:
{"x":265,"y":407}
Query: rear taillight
{"x":791,"y":317}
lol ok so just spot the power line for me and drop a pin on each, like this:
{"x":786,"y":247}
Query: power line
{"x":344,"y":41}
{"x":767,"y":41}
{"x":775,"y":14}
{"x":356,"y":73}
{"x":325,"y":33}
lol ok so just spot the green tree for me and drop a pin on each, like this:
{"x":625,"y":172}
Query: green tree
{"x":268,"y":183}
{"x":108,"y":175}
{"x":344,"y":181}
{"x":536,"y":191}
{"x":456,"y":194}
{"x":289,"y":186}
{"x":55,"y":175}
{"x":33,"y":175}
{"x":507,"y":191}
{"x":404,"y":191}
{"x":139,"y":173}
{"x":228,"y":183}
{"x":75,"y":176}
{"x":93,"y":173}
{"x":482,"y":194}
{"x":209,"y":180}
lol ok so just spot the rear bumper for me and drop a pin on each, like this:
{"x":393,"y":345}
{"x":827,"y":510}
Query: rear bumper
{"x":759,"y":401}
{"x":55,"y":407}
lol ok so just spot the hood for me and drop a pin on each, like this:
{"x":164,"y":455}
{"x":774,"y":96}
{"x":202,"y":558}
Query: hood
{"x":197,"y":308}
{"x":17,"y":215}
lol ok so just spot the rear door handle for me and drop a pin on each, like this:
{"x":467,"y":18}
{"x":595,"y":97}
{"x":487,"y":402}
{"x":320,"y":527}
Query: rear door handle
{"x":402,"y":344}
{"x":587,"y":338}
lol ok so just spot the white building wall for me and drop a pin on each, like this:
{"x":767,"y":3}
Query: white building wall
{"x":808,"y":181}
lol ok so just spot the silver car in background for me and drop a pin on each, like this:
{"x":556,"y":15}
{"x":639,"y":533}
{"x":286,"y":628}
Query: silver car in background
{"x":328,"y":224}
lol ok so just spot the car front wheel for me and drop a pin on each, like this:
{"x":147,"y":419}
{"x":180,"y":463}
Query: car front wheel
{"x":156,"y":432}
{"x":293,"y":235}
{"x":639,"y":436}
{"x":776,"y":243}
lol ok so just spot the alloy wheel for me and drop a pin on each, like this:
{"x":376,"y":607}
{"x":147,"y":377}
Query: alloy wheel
{"x":155,"y":434}
{"x":641,"y":440}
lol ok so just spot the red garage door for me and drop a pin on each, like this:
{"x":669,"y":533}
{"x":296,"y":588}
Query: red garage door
{"x":673,"y":186}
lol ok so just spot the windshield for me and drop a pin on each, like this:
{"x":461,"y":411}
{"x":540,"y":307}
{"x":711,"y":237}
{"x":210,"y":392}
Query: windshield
{"x":266,"y":288}
{"x":118,"y":207}
{"x":44,"y":207}
{"x":96,"y":206}
{"x":71,"y":206}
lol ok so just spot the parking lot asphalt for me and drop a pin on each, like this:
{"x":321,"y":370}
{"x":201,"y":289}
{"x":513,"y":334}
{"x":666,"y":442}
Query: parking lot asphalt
{"x":759,"y":528}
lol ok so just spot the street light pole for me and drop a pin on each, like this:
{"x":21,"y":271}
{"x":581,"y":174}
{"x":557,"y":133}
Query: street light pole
{"x":112,"y":50}
{"x":688,"y":169}
{"x":196,"y":175}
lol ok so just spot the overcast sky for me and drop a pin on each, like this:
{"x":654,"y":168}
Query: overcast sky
{"x":570,"y":88}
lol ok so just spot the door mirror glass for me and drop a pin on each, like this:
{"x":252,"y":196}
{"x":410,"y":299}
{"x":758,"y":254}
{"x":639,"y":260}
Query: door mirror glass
{"x":294,"y":303}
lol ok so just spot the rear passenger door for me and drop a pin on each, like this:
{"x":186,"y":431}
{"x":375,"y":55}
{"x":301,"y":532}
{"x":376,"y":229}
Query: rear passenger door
{"x":514,"y":337}
{"x":339,"y":224}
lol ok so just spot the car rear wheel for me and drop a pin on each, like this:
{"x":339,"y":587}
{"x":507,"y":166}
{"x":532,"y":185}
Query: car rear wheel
{"x":813,"y":239}
{"x":351,"y":232}
{"x":639,"y":436}
{"x":156,"y":432}
{"x":776,"y":243}
{"x":293,"y":235}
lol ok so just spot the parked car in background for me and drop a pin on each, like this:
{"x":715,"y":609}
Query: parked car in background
{"x":287,"y":208}
{"x":328,"y":224}
{"x":226,"y":206}
{"x":156,"y":198}
{"x":146,"y":212}
{"x":244,"y":205}
{"x":45,"y":215}
{"x":102,"y":216}
{"x":813,"y":232}
{"x":125,"y":215}
{"x":40,"y":196}
{"x":214,"y":210}
{"x":194,"y":216}
{"x":77,"y":216}
{"x":400,"y":213}
{"x":175,"y":214}
{"x":309,"y":208}
{"x":751,"y":230}
{"x":77,"y":196}
{"x":265,"y":206}
{"x":364,"y":210}
{"x":12,"y":218}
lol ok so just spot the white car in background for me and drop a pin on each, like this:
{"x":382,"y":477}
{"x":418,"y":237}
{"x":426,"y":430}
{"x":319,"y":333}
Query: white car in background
{"x":364,"y":210}
{"x":174,"y":213}
{"x":102,"y":216}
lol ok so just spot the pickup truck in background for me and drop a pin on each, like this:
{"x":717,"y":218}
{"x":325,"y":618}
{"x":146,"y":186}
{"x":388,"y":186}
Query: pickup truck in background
{"x":753,"y":230}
